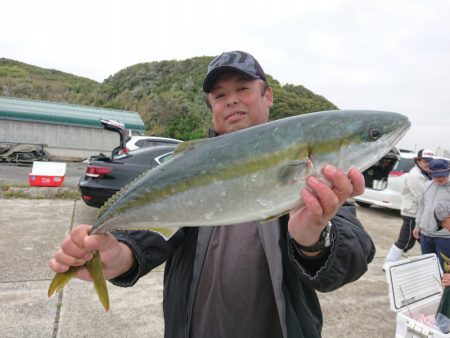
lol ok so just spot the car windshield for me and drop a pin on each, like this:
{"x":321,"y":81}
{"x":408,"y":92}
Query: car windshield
{"x":404,"y":165}
{"x":164,"y":158}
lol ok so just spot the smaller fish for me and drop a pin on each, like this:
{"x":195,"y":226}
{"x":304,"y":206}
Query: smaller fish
{"x":443,"y":310}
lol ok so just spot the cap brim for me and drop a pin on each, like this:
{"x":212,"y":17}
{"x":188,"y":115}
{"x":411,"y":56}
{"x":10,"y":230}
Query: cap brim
{"x":441,"y":173}
{"x":428,"y":159}
{"x":213,"y":75}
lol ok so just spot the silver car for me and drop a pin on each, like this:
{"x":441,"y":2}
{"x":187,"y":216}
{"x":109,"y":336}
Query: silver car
{"x":137,"y":142}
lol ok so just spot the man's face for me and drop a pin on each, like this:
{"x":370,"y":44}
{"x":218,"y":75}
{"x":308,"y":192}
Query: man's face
{"x":238,"y":102}
{"x":440,"y":180}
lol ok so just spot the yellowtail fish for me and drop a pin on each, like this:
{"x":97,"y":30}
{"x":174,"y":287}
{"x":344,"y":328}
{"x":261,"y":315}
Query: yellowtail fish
{"x":248,"y":175}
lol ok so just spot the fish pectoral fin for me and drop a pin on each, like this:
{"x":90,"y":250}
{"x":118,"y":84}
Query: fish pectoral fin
{"x":290,"y":171}
{"x":95,"y":268}
{"x":165,"y":232}
{"x":61,"y":279}
{"x":184,"y":146}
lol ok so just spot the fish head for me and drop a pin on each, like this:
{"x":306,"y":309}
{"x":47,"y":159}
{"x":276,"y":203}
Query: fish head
{"x":350,"y":138}
{"x":370,"y":136}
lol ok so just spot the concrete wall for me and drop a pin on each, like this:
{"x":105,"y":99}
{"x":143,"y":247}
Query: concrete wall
{"x":62,"y":141}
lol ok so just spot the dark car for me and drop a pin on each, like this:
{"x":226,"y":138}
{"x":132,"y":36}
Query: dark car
{"x":105,"y":176}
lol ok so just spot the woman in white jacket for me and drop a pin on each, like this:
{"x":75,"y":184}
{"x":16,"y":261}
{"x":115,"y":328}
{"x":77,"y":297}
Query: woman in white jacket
{"x":411,"y":193}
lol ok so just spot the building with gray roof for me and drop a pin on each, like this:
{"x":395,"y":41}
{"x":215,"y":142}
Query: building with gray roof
{"x":68,"y":131}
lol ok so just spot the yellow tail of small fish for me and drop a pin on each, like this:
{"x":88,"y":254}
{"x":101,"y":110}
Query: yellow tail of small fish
{"x":94,"y":266}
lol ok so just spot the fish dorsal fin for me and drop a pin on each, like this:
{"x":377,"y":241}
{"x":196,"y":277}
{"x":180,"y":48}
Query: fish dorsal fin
{"x":187,"y":145}
{"x":118,"y":194}
{"x":290,"y":170}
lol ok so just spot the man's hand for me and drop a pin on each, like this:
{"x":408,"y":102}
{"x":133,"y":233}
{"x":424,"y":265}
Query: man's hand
{"x":416,"y":233}
{"x":445,"y":279}
{"x":78,"y":247}
{"x":321,"y":203}
{"x":446,"y":223}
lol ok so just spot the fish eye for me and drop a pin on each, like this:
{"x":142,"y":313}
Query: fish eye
{"x":374,"y":134}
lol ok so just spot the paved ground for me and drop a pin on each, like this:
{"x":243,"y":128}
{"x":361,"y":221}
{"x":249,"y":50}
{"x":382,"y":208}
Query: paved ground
{"x":31,"y":230}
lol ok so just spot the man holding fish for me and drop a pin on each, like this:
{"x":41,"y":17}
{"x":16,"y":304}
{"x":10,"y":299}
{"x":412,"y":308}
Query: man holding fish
{"x":257,"y":279}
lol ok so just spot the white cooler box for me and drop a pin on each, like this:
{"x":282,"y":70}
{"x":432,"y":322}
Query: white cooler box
{"x":414,"y":290}
{"x":47,"y":174}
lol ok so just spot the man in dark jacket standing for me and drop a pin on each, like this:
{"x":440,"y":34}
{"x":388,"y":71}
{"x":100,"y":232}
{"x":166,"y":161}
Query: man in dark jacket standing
{"x":247,"y":280}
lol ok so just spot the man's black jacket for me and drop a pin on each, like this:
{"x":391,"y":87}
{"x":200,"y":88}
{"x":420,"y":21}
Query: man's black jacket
{"x":295,"y":278}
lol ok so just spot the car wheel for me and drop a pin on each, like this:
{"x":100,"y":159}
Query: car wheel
{"x":363,"y":204}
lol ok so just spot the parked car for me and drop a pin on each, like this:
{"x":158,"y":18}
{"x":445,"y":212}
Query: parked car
{"x":130,"y":142}
{"x":105,"y":176}
{"x":385,"y":180}
{"x":136,"y":142}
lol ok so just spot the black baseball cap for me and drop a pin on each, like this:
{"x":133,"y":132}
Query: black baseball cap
{"x":235,"y":61}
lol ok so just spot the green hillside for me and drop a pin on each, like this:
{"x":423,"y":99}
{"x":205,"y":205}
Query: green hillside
{"x":167,"y":94}
{"x":20,"y":80}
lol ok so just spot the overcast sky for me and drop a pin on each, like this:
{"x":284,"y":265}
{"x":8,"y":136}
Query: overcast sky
{"x":382,"y":55}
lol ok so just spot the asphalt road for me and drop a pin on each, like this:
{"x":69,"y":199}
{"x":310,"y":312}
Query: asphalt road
{"x":12,"y":174}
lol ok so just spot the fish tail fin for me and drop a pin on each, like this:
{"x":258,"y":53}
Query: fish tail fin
{"x":94,"y":266}
{"x":61,"y":279}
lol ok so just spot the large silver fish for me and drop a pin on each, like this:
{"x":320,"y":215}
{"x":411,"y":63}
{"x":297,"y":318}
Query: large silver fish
{"x":247,"y":175}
